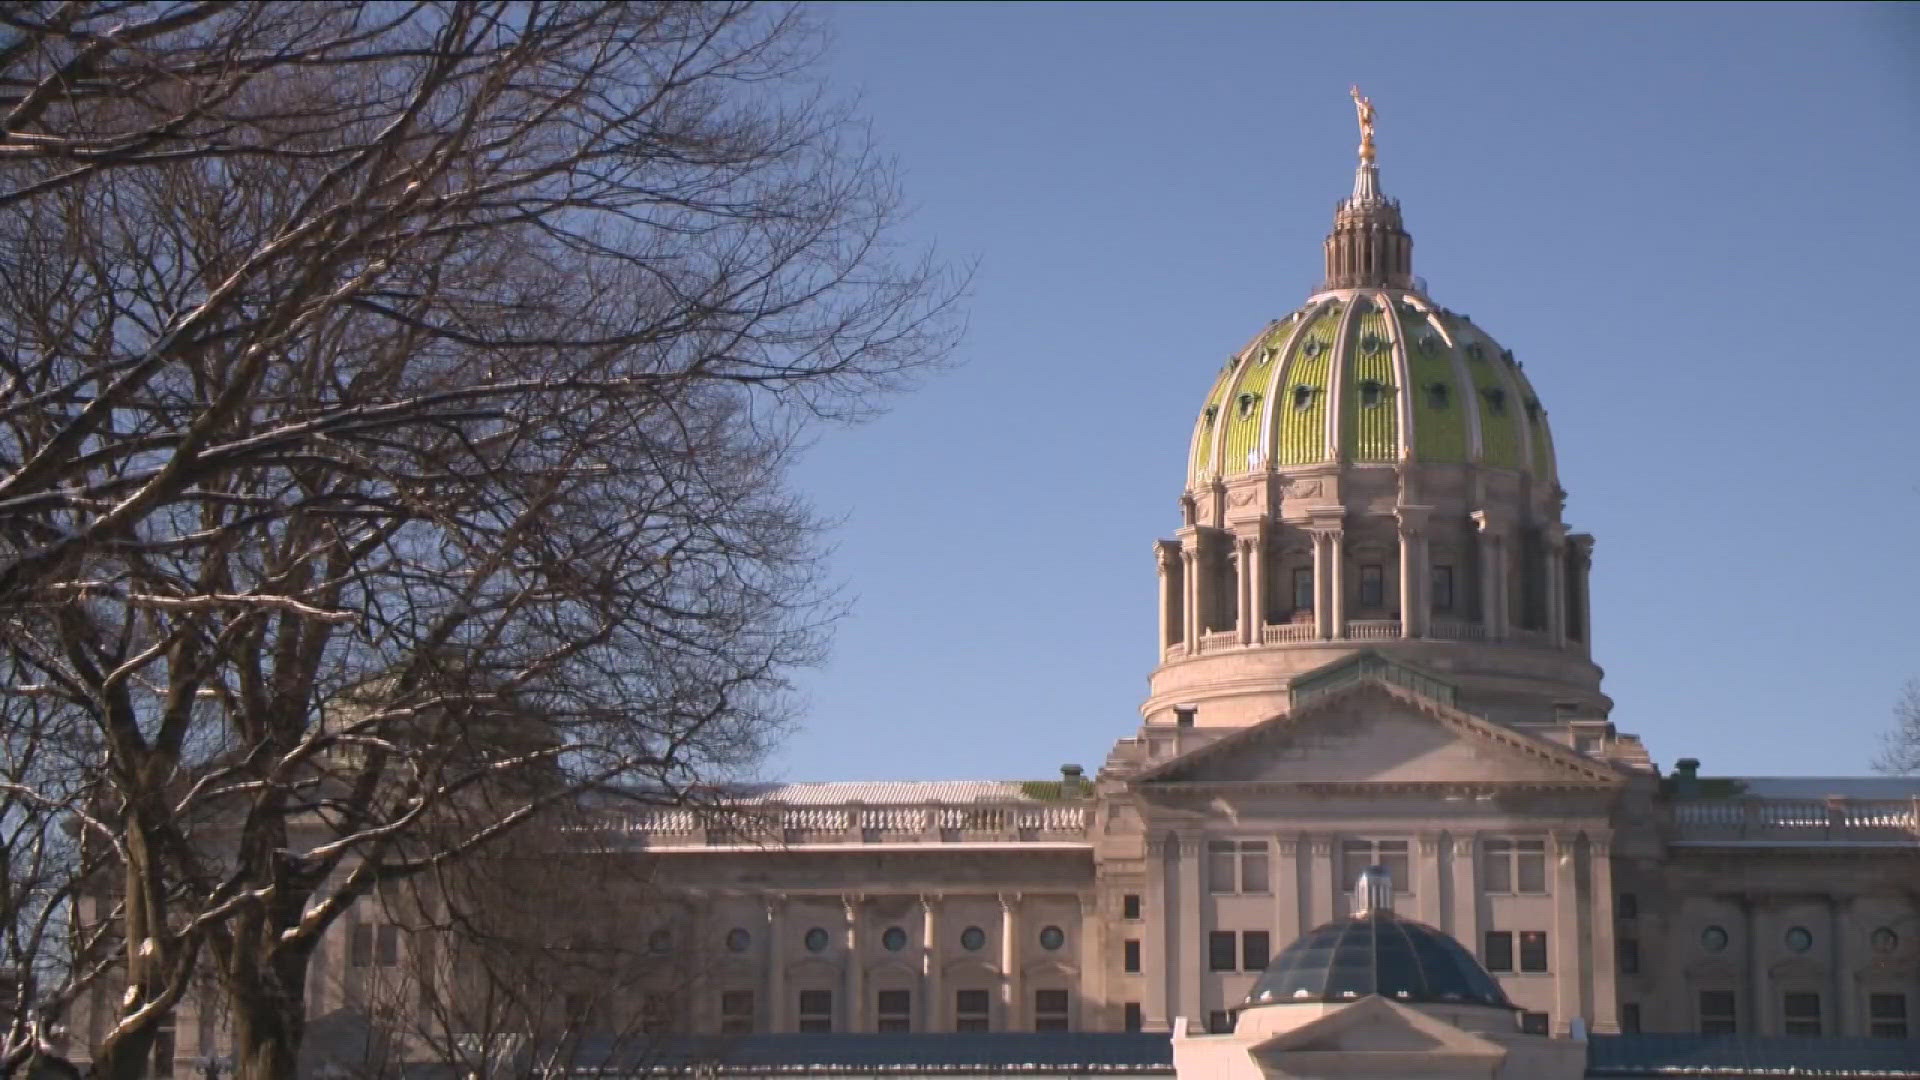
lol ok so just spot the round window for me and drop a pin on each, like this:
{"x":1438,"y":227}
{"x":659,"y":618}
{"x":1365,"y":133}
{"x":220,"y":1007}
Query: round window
{"x":1884,"y":940}
{"x":1052,"y":937}
{"x":1713,"y":938}
{"x":893,"y":939}
{"x":973,"y":939}
{"x":738,"y":939}
{"x":1799,"y":939}
{"x":816,"y":940}
{"x":660,"y":941}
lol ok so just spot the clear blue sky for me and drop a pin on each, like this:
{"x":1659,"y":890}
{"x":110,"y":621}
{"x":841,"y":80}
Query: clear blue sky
{"x":1694,"y":224}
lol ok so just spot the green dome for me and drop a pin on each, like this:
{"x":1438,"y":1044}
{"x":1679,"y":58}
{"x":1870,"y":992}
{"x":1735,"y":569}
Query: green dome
{"x":1370,"y":377}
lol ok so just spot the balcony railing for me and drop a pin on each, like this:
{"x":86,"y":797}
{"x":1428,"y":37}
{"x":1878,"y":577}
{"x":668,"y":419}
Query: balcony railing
{"x":1289,"y":633}
{"x":1797,"y":821}
{"x":1372,"y":629}
{"x":773,"y":825}
{"x":1456,"y":630}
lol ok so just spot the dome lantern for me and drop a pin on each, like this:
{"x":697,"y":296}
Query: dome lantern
{"x":1369,"y":247}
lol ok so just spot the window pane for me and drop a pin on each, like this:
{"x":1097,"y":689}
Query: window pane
{"x":1532,"y":871}
{"x":386,"y":948}
{"x":1372,"y":586}
{"x":970,"y":1001}
{"x":1355,"y":856}
{"x":1443,"y":588}
{"x":1303,"y":590}
{"x":1219,"y":1022}
{"x":1253,"y":866}
{"x":1533,"y":950}
{"x":360,"y":946}
{"x":1801,"y":1013}
{"x":1717,"y":1012}
{"x":1629,"y":956}
{"x":1130,"y":957}
{"x":1887,"y":1006}
{"x":965,"y":1023}
{"x":1132,"y":1020}
{"x":1496,"y":867}
{"x":1253,"y":950}
{"x":1629,"y":1018}
{"x":1499,"y":950}
{"x":1536,"y":1023}
{"x":1130,"y":906}
{"x":1220,"y":867}
{"x":1220,"y":949}
{"x":1393,"y":856}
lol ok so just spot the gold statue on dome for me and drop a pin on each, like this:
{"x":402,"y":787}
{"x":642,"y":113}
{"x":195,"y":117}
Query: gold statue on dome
{"x":1364,"y":106}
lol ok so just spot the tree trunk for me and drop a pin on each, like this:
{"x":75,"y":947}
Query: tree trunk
{"x":267,"y":1029}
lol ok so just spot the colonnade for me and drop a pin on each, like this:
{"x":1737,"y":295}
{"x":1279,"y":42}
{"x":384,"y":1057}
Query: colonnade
{"x":1192,"y":566}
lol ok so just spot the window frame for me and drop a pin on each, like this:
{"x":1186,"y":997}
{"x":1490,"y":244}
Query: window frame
{"x":1370,"y":588}
{"x":1223,"y":950}
{"x":1130,"y":907}
{"x":1047,"y":1016}
{"x":814,"y":1020}
{"x":1387,"y":851}
{"x":1303,"y":590}
{"x":1241,"y":855}
{"x":1132,"y":1017}
{"x":1535,"y":952}
{"x":899,"y":1018}
{"x":966,"y":1019}
{"x":1801,"y":1023}
{"x":1884,"y":1027}
{"x":1254,"y":958}
{"x":1497,"y":961}
{"x":1716,"y":1021}
{"x":1514,"y":854}
{"x":735,"y":1021}
{"x":1130,"y":956}
{"x":1441,"y":595}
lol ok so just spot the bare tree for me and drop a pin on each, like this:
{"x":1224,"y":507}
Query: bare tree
{"x":395,"y":405}
{"x":1900,"y":746}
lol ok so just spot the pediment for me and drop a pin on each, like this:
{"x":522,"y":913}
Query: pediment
{"x":1373,"y":732}
{"x":1378,"y":1026}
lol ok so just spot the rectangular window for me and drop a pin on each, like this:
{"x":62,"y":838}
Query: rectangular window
{"x":1253,"y":950}
{"x":1800,"y":1014}
{"x":1442,"y":588}
{"x":1627,"y":906}
{"x":1237,"y":866}
{"x":1303,"y":589}
{"x":360,"y":945}
{"x":736,"y":1012}
{"x":1221,"y":949}
{"x":1513,"y":866}
{"x":1049,"y":1010}
{"x":386,"y":945}
{"x":1532,"y":1023}
{"x":1533,"y":950}
{"x":1629,"y":950}
{"x":1373,"y":586}
{"x":1717,"y":1013}
{"x":1130,"y":906}
{"x":1357,"y":855}
{"x":656,"y":1014}
{"x":1498,"y":955}
{"x":1131,"y":1018}
{"x":1130,"y":956}
{"x":816,"y":1010}
{"x":971,"y":1010}
{"x":893,"y":1010}
{"x":1220,"y":1022}
{"x":1887,"y":1016}
{"x":1629,"y":1018}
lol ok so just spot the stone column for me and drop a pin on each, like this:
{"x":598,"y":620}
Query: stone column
{"x":1465,"y":872}
{"x":1493,"y":576}
{"x":1254,"y":567}
{"x":1190,"y":587}
{"x":1756,"y":1011}
{"x":1846,"y":1018}
{"x":1154,"y":948}
{"x":1322,"y":609}
{"x":1564,"y":952}
{"x":855,"y":975}
{"x":1287,"y":924}
{"x":1166,"y":559}
{"x":1010,"y":988}
{"x":1413,"y":571}
{"x":1426,"y":879}
{"x":775,"y":950}
{"x":1187,"y":957}
{"x":1243,"y":617}
{"x":1337,"y":583}
{"x":1606,"y":954}
{"x":1096,"y":960}
{"x":1582,"y":556}
{"x":1324,"y":889}
{"x":1554,"y":537}
{"x":932,"y":1007}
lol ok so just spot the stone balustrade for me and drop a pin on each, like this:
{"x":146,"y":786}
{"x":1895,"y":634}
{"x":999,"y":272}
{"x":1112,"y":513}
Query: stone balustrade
{"x":1796,"y":821}
{"x":1373,"y":629}
{"x":775,"y":825}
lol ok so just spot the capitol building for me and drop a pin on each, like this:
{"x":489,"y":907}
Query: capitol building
{"x":1376,"y":701}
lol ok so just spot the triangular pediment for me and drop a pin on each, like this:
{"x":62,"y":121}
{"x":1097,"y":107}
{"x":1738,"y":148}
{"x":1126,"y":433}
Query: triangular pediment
{"x":1371,"y":731}
{"x":1375,"y":1025}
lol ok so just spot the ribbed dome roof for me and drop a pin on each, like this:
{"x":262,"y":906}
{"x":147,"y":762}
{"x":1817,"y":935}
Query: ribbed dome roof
{"x":1376,"y":953}
{"x":1370,"y":376}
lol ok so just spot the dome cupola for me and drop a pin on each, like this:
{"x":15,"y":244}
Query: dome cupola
{"x":1375,"y":952}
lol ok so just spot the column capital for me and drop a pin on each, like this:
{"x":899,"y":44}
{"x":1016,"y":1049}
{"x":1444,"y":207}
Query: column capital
{"x":1165,"y":552}
{"x":1322,"y":846}
{"x":1554,"y":535}
{"x":1492,"y":523}
{"x":1009,"y":903}
{"x":1565,"y":842}
{"x":1463,"y":845}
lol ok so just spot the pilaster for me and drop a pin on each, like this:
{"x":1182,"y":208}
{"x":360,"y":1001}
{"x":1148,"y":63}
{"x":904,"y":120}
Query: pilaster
{"x":1323,"y":890}
{"x":856,"y":967}
{"x":1567,"y":976}
{"x":1426,"y":879}
{"x":1493,"y":574}
{"x":774,"y":948}
{"x":1412,"y":521}
{"x":1186,"y":956}
{"x":932,"y":994}
{"x":1605,"y":950}
{"x":1464,"y":871}
{"x":1287,"y":925}
{"x":1010,"y":989}
{"x":1156,"y":944}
